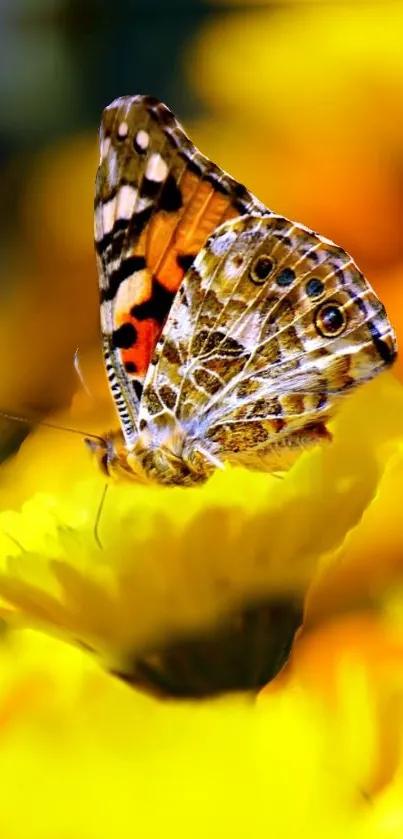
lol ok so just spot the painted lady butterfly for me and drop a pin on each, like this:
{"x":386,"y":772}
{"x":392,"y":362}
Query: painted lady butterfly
{"x":229,"y":332}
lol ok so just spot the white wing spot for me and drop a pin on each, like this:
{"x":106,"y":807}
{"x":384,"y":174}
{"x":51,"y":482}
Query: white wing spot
{"x":109,"y":215}
{"x":106,"y":320}
{"x":123,"y":130}
{"x":157,"y":168}
{"x":113,"y":168}
{"x":142,"y":139}
{"x":132,"y":289}
{"x":220,"y":245}
{"x":98,"y":223}
{"x":126,"y":201}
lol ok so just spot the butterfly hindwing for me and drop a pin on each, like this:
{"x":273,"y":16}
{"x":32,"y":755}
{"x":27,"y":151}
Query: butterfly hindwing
{"x":272,"y":324}
{"x":157,"y":200}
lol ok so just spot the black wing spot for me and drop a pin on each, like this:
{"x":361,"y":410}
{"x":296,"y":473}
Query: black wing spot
{"x":285,"y":240}
{"x":149,"y":188}
{"x":171,"y":196}
{"x":286,"y":277}
{"x":157,"y":307}
{"x":138,"y":388}
{"x":261,"y":269}
{"x":330,"y":320}
{"x":185,"y":260}
{"x":309,"y":254}
{"x":124,"y":337}
{"x":387,"y":355}
{"x":314,"y":287}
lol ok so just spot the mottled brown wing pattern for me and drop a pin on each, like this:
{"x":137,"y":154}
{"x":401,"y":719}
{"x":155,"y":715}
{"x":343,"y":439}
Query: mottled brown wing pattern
{"x":157,"y":200}
{"x":271,"y":326}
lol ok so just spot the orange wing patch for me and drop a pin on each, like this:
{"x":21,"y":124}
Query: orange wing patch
{"x":172,"y":238}
{"x":169,"y":246}
{"x":157,"y":201}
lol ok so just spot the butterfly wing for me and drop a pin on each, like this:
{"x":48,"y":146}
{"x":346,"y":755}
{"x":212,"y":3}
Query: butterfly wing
{"x":157,"y":200}
{"x":271,"y":326}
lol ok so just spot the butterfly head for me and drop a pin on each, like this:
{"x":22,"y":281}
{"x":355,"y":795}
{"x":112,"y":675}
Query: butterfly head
{"x":171,"y":462}
{"x":114,"y":459}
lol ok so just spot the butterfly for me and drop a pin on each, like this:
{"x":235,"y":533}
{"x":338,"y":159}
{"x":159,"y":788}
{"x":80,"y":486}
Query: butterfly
{"x":230,"y":333}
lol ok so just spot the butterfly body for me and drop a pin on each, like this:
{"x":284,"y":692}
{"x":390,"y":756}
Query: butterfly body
{"x":230,"y":333}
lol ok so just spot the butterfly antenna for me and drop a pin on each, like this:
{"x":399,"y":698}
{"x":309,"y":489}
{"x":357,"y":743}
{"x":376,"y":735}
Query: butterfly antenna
{"x":78,"y":369}
{"x":46,"y":424}
{"x":98,"y":517}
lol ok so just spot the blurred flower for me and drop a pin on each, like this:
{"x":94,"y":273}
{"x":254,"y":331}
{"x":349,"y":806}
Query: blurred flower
{"x":51,"y":306}
{"x":352,"y":667}
{"x":369,"y":564}
{"x":113,"y":762}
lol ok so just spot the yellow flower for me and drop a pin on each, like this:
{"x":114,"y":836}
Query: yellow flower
{"x":82,"y":755}
{"x":321,"y":752}
{"x":353,"y":667}
{"x":369,"y":566}
{"x":172,"y":563}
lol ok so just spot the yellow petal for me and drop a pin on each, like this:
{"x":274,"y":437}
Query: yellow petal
{"x":173,"y":561}
{"x":83,"y":756}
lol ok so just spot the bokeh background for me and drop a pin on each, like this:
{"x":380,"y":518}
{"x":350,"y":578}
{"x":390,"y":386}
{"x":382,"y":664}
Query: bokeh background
{"x":301,"y":101}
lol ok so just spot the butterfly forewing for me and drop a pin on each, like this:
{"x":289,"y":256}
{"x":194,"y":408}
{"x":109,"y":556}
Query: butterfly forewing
{"x":157,"y":200}
{"x":271,"y":326}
